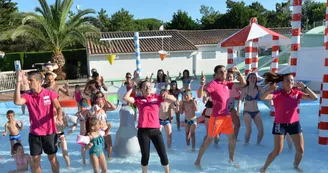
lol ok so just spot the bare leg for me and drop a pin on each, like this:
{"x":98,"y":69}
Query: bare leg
{"x":202,"y":150}
{"x":206,"y":125}
{"x":95,"y":163}
{"x":54,"y":163}
{"x":299,"y":147}
{"x":168,"y":131}
{"x":259,"y":124}
{"x":236,"y":122}
{"x":36,"y":164}
{"x":144,"y":169}
{"x":289,"y":141}
{"x":166,"y":168}
{"x":63,"y":146}
{"x":232,"y":147}
{"x":11,"y":147}
{"x":83,"y":150}
{"x":248,"y":125}
{"x":193,"y":135}
{"x":187,"y":134}
{"x":102,"y":163}
{"x":278,"y":145}
{"x":108,"y":141}
{"x":178,"y":120}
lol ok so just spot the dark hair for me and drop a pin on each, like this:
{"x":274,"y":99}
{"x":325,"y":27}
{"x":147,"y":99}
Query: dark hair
{"x":247,"y":82}
{"x":270,"y":77}
{"x":83,"y":100}
{"x":10,"y":112}
{"x":185,"y":71}
{"x":128,"y":73}
{"x":91,"y":121}
{"x":141,"y":83}
{"x":163,"y":78}
{"x":16,"y":145}
{"x":216,"y":68}
{"x":36,"y":74}
{"x":176,"y":83}
{"x":77,"y":86}
{"x":95,"y":74}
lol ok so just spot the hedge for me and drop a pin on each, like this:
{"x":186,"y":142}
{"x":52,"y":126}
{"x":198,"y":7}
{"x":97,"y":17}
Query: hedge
{"x":75,"y":66}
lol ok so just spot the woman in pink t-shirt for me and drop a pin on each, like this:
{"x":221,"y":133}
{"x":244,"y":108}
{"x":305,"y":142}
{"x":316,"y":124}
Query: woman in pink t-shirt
{"x":286,"y":117}
{"x":148,"y":123}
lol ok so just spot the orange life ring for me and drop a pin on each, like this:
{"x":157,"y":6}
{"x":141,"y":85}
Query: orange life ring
{"x":69,"y":103}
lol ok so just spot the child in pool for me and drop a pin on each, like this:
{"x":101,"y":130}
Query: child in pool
{"x":165,"y":117}
{"x":13,"y":127}
{"x":95,"y":146}
{"x":82,"y":116}
{"x":189,"y":107}
{"x":62,"y":143}
{"x":78,"y":96}
{"x":22,"y":160}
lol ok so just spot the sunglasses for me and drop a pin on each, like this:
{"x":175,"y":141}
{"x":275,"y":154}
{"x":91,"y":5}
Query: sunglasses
{"x":128,"y":77}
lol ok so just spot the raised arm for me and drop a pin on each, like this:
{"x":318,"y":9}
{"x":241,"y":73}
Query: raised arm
{"x":110,"y":106}
{"x":241,"y":80}
{"x":195,"y":76}
{"x":6,"y":130}
{"x":169,"y":98}
{"x":267,"y":95}
{"x":18,"y":100}
{"x":104,"y":86}
{"x":309,"y":95}
{"x":127,"y":97}
{"x":201,"y":92}
{"x":65,"y":89}
{"x":179,"y":77}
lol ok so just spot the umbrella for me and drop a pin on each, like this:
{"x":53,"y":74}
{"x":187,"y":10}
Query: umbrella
{"x":253,"y":31}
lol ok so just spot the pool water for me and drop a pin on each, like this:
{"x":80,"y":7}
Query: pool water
{"x":250,"y":157}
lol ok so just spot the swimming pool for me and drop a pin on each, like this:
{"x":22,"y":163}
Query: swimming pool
{"x":250,"y":158}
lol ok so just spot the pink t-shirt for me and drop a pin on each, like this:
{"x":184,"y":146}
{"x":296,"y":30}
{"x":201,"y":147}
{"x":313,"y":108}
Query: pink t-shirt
{"x":78,"y":96}
{"x":148,"y":110}
{"x":220,"y":94}
{"x":286,"y":105}
{"x":41,"y":112}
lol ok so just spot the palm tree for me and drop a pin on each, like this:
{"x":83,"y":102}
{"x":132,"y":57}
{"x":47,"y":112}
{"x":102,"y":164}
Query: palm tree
{"x":56,"y":28}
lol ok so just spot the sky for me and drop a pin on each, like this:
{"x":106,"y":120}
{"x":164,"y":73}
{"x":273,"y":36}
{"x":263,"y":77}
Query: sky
{"x":160,"y":9}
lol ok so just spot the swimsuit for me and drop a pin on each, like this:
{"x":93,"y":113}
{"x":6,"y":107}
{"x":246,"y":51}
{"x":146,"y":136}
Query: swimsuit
{"x":190,"y":122}
{"x":186,"y":81}
{"x":20,"y":162}
{"x":97,"y":147}
{"x":164,"y":122}
{"x":15,"y":137}
{"x":252,"y":114}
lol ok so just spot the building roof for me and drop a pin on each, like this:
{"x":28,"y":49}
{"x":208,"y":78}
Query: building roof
{"x":176,"y":43}
{"x":214,"y":36}
{"x":316,"y":31}
{"x":182,"y":40}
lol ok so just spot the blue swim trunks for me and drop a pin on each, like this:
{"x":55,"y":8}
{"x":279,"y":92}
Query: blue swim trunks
{"x":15,"y":138}
{"x":164,"y":122}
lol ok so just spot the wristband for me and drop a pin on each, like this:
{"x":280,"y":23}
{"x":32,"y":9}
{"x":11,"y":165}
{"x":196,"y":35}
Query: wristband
{"x":305,"y":87}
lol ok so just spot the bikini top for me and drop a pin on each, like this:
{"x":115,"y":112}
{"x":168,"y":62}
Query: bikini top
{"x":250,"y":98}
{"x":186,"y":81}
{"x":100,"y":116}
{"x":20,"y":161}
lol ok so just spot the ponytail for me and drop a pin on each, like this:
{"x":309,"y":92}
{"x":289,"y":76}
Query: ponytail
{"x":270,"y":77}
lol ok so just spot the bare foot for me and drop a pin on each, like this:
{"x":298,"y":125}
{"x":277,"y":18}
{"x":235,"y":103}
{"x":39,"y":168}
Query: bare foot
{"x":197,"y":164}
{"x":234,"y":164}
{"x":263,"y":169}
{"x":298,"y":169}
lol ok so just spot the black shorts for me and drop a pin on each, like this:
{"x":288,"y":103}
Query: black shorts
{"x":45,"y":143}
{"x":283,"y":129}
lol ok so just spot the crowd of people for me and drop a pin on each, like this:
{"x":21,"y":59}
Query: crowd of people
{"x":154,"y":112}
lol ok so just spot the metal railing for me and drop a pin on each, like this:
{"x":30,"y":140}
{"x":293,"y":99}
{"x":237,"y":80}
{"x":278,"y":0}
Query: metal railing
{"x":8,"y":80}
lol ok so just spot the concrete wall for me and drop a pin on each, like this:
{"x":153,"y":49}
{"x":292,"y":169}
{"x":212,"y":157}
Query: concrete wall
{"x":204,"y":60}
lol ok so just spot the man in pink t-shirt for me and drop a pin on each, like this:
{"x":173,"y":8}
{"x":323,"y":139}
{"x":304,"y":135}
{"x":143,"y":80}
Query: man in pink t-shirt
{"x":43,"y":133}
{"x":220,"y":120}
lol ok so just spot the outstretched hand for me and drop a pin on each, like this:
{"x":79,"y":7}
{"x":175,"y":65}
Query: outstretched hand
{"x":273,"y":86}
{"x":202,"y":78}
{"x":300,"y":84}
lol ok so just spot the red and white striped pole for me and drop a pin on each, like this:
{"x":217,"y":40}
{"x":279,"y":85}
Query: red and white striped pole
{"x":230,"y":58}
{"x":248,"y":57}
{"x":255,"y":55}
{"x":296,"y":35}
{"x":275,"y":53}
{"x":323,"y":126}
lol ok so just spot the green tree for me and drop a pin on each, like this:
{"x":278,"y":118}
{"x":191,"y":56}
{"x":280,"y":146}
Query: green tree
{"x":55,"y":29}
{"x":147,"y":24}
{"x":237,"y":16}
{"x":7,"y":8}
{"x":104,"y":23}
{"x":182,"y":21}
{"x":283,"y":14}
{"x":209,"y":18}
{"x":122,"y":20}
{"x":313,"y":14}
{"x":257,"y":10}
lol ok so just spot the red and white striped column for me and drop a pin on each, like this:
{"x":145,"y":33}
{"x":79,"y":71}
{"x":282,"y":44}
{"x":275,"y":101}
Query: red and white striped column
{"x":255,"y":55}
{"x":230,"y":58}
{"x":296,"y":35}
{"x":275,"y":54}
{"x":323,"y":125}
{"x":248,"y":57}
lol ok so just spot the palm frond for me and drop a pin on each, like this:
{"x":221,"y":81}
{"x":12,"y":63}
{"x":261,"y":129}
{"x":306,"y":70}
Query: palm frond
{"x":45,"y":9}
{"x":65,"y":9}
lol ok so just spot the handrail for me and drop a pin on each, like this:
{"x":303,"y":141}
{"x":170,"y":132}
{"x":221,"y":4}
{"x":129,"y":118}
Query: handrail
{"x":272,"y":59}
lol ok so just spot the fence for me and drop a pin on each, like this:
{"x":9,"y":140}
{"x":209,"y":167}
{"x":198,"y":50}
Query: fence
{"x":8,"y":80}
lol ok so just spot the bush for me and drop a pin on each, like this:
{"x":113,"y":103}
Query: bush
{"x":75,"y":66}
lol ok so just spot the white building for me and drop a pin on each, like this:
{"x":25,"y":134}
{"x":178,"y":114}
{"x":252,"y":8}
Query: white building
{"x":195,"y":50}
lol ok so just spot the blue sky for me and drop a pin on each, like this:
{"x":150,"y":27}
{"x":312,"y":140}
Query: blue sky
{"x":160,"y":9}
